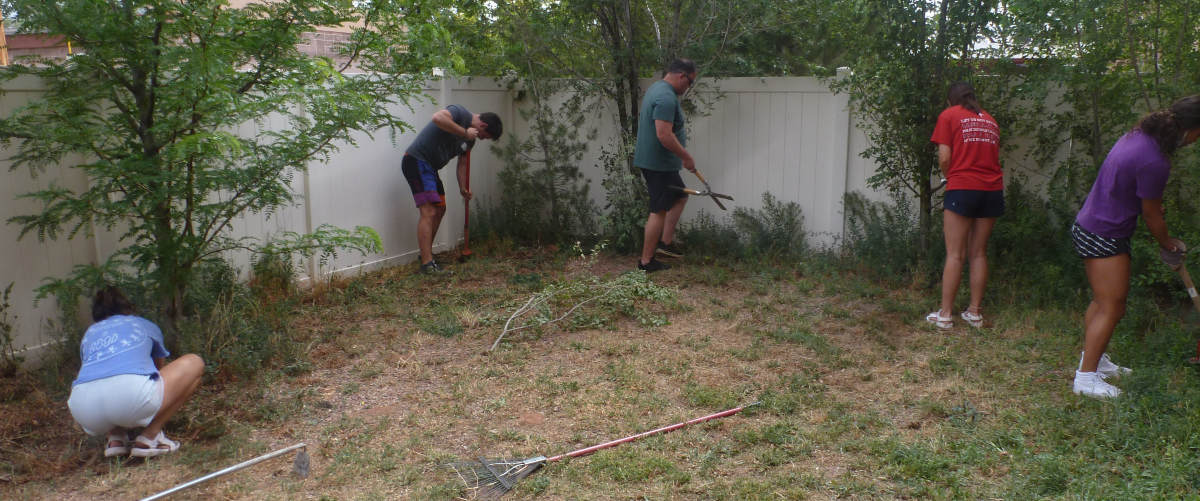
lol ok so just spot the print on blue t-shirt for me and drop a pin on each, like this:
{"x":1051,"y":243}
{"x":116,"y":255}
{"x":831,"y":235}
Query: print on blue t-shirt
{"x":120,"y":344}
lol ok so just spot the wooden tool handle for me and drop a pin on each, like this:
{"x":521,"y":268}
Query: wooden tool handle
{"x":1191,"y":288}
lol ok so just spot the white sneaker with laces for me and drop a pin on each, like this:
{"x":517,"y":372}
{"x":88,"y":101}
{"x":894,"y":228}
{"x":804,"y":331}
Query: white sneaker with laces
{"x":1091,"y":384}
{"x":1106,"y":368}
{"x":938,"y":320}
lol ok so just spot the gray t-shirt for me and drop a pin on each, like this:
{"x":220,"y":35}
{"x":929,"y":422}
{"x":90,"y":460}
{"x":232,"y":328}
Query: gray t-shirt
{"x":435,"y":146}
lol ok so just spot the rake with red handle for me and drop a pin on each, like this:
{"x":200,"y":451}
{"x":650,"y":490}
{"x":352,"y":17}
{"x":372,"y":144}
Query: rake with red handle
{"x":466,"y":250}
{"x":492,"y":478}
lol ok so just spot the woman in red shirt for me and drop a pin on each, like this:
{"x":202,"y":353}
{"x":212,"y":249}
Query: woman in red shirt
{"x":968,"y":142}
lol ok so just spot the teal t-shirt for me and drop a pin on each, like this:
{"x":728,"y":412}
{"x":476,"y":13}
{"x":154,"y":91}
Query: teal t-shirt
{"x":659,"y":103}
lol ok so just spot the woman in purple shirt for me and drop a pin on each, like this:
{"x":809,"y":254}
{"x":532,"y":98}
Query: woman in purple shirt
{"x":1130,"y":182}
{"x":125,"y":382}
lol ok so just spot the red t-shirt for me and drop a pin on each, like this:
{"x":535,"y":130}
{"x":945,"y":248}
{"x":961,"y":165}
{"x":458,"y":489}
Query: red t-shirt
{"x":974,"y":141}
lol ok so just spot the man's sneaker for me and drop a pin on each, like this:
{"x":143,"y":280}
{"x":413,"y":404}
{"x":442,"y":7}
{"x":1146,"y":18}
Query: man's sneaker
{"x":668,"y":250}
{"x":653,"y":266}
{"x":974,"y":319}
{"x":1106,"y":367}
{"x":432,"y":268}
{"x":938,"y":320}
{"x":1092,"y":384}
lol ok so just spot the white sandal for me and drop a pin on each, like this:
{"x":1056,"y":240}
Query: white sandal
{"x":152,"y":447}
{"x":120,"y":449}
{"x":975,"y":319}
{"x":938,"y":320}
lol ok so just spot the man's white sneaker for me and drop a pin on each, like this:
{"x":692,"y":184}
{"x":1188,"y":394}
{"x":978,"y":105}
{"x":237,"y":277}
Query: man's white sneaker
{"x":1091,"y":384}
{"x":1106,"y":367}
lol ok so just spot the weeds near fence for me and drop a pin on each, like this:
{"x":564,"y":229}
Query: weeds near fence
{"x":9,"y":360}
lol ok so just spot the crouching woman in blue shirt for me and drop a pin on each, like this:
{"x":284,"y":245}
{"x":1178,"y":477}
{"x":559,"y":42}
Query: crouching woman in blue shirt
{"x":125,"y":382}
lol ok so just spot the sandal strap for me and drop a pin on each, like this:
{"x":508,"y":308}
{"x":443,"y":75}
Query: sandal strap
{"x":163,"y":440}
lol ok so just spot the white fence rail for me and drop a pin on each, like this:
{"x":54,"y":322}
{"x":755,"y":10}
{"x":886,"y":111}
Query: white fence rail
{"x":788,"y":136}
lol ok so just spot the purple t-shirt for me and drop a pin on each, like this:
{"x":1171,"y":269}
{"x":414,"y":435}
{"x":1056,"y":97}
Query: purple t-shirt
{"x":1134,"y":170}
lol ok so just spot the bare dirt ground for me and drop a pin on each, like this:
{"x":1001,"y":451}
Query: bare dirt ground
{"x":843,"y":367}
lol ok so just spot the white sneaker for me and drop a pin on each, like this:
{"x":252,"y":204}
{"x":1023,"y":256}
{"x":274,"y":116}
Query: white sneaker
{"x":1106,"y":367}
{"x":1092,"y":384}
{"x":941,"y":322}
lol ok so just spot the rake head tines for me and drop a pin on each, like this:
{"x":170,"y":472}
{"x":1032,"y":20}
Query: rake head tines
{"x":492,"y":478}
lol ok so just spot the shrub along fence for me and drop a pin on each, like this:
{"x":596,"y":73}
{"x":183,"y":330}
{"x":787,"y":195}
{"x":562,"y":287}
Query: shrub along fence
{"x":790,"y":137}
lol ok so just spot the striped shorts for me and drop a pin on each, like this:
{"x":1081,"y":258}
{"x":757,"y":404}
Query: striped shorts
{"x":1090,"y":245}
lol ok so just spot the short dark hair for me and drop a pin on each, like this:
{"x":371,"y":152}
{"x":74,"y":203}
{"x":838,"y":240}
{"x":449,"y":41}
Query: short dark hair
{"x":110,"y":301}
{"x":681,"y":65}
{"x":495,"y":127}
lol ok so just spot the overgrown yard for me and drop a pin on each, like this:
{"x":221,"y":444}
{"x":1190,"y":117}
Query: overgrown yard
{"x":860,"y":399}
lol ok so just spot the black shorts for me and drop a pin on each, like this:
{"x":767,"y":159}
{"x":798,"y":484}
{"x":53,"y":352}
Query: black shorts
{"x":663,"y":187}
{"x":1089,"y":245}
{"x":975,"y":203}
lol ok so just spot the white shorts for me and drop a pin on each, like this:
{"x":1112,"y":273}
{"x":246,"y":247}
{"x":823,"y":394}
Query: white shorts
{"x":125,"y":400}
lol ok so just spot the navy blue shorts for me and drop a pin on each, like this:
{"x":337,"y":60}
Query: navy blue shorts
{"x":975,"y":203}
{"x":659,"y":185}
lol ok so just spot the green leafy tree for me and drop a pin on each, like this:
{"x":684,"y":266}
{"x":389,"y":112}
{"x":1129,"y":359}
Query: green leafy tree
{"x":157,"y":101}
{"x":909,"y":53}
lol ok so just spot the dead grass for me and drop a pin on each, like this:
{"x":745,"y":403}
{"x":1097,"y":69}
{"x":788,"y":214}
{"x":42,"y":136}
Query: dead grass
{"x":387,"y":402}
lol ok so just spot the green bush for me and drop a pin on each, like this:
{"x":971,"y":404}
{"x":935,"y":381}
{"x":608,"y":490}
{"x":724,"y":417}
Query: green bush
{"x":9,"y":360}
{"x":624,"y":214}
{"x":775,"y":231}
{"x":236,"y":327}
{"x":883,"y":238}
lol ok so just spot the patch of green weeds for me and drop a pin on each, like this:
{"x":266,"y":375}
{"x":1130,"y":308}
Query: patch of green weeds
{"x":751,"y":353}
{"x":634,"y":465}
{"x":624,"y":374}
{"x":441,"y":321}
{"x":711,"y":397}
{"x":943,"y":366}
{"x":697,"y":343}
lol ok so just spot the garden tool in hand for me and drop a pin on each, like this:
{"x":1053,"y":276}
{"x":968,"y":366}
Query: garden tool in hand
{"x":707,"y":191}
{"x":1175,"y":260}
{"x":704,"y":193}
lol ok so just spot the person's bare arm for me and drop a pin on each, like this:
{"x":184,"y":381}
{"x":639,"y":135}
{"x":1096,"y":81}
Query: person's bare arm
{"x":1152,"y":213}
{"x":666,"y":135}
{"x":944,"y":160}
{"x":160,"y":362}
{"x":445,"y":121}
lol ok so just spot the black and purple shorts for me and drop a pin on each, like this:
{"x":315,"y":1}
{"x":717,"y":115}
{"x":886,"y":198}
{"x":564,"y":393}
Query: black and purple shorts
{"x":424,"y":182}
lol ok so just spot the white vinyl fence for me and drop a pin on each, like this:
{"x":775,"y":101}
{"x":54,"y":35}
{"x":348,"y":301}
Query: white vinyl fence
{"x":791,"y":137}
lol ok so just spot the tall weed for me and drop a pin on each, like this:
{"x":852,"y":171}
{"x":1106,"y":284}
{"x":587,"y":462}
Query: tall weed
{"x":883,"y":238}
{"x":775,"y":231}
{"x":624,"y":214}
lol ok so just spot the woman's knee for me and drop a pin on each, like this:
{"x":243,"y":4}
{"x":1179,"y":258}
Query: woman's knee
{"x":190,"y":365}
